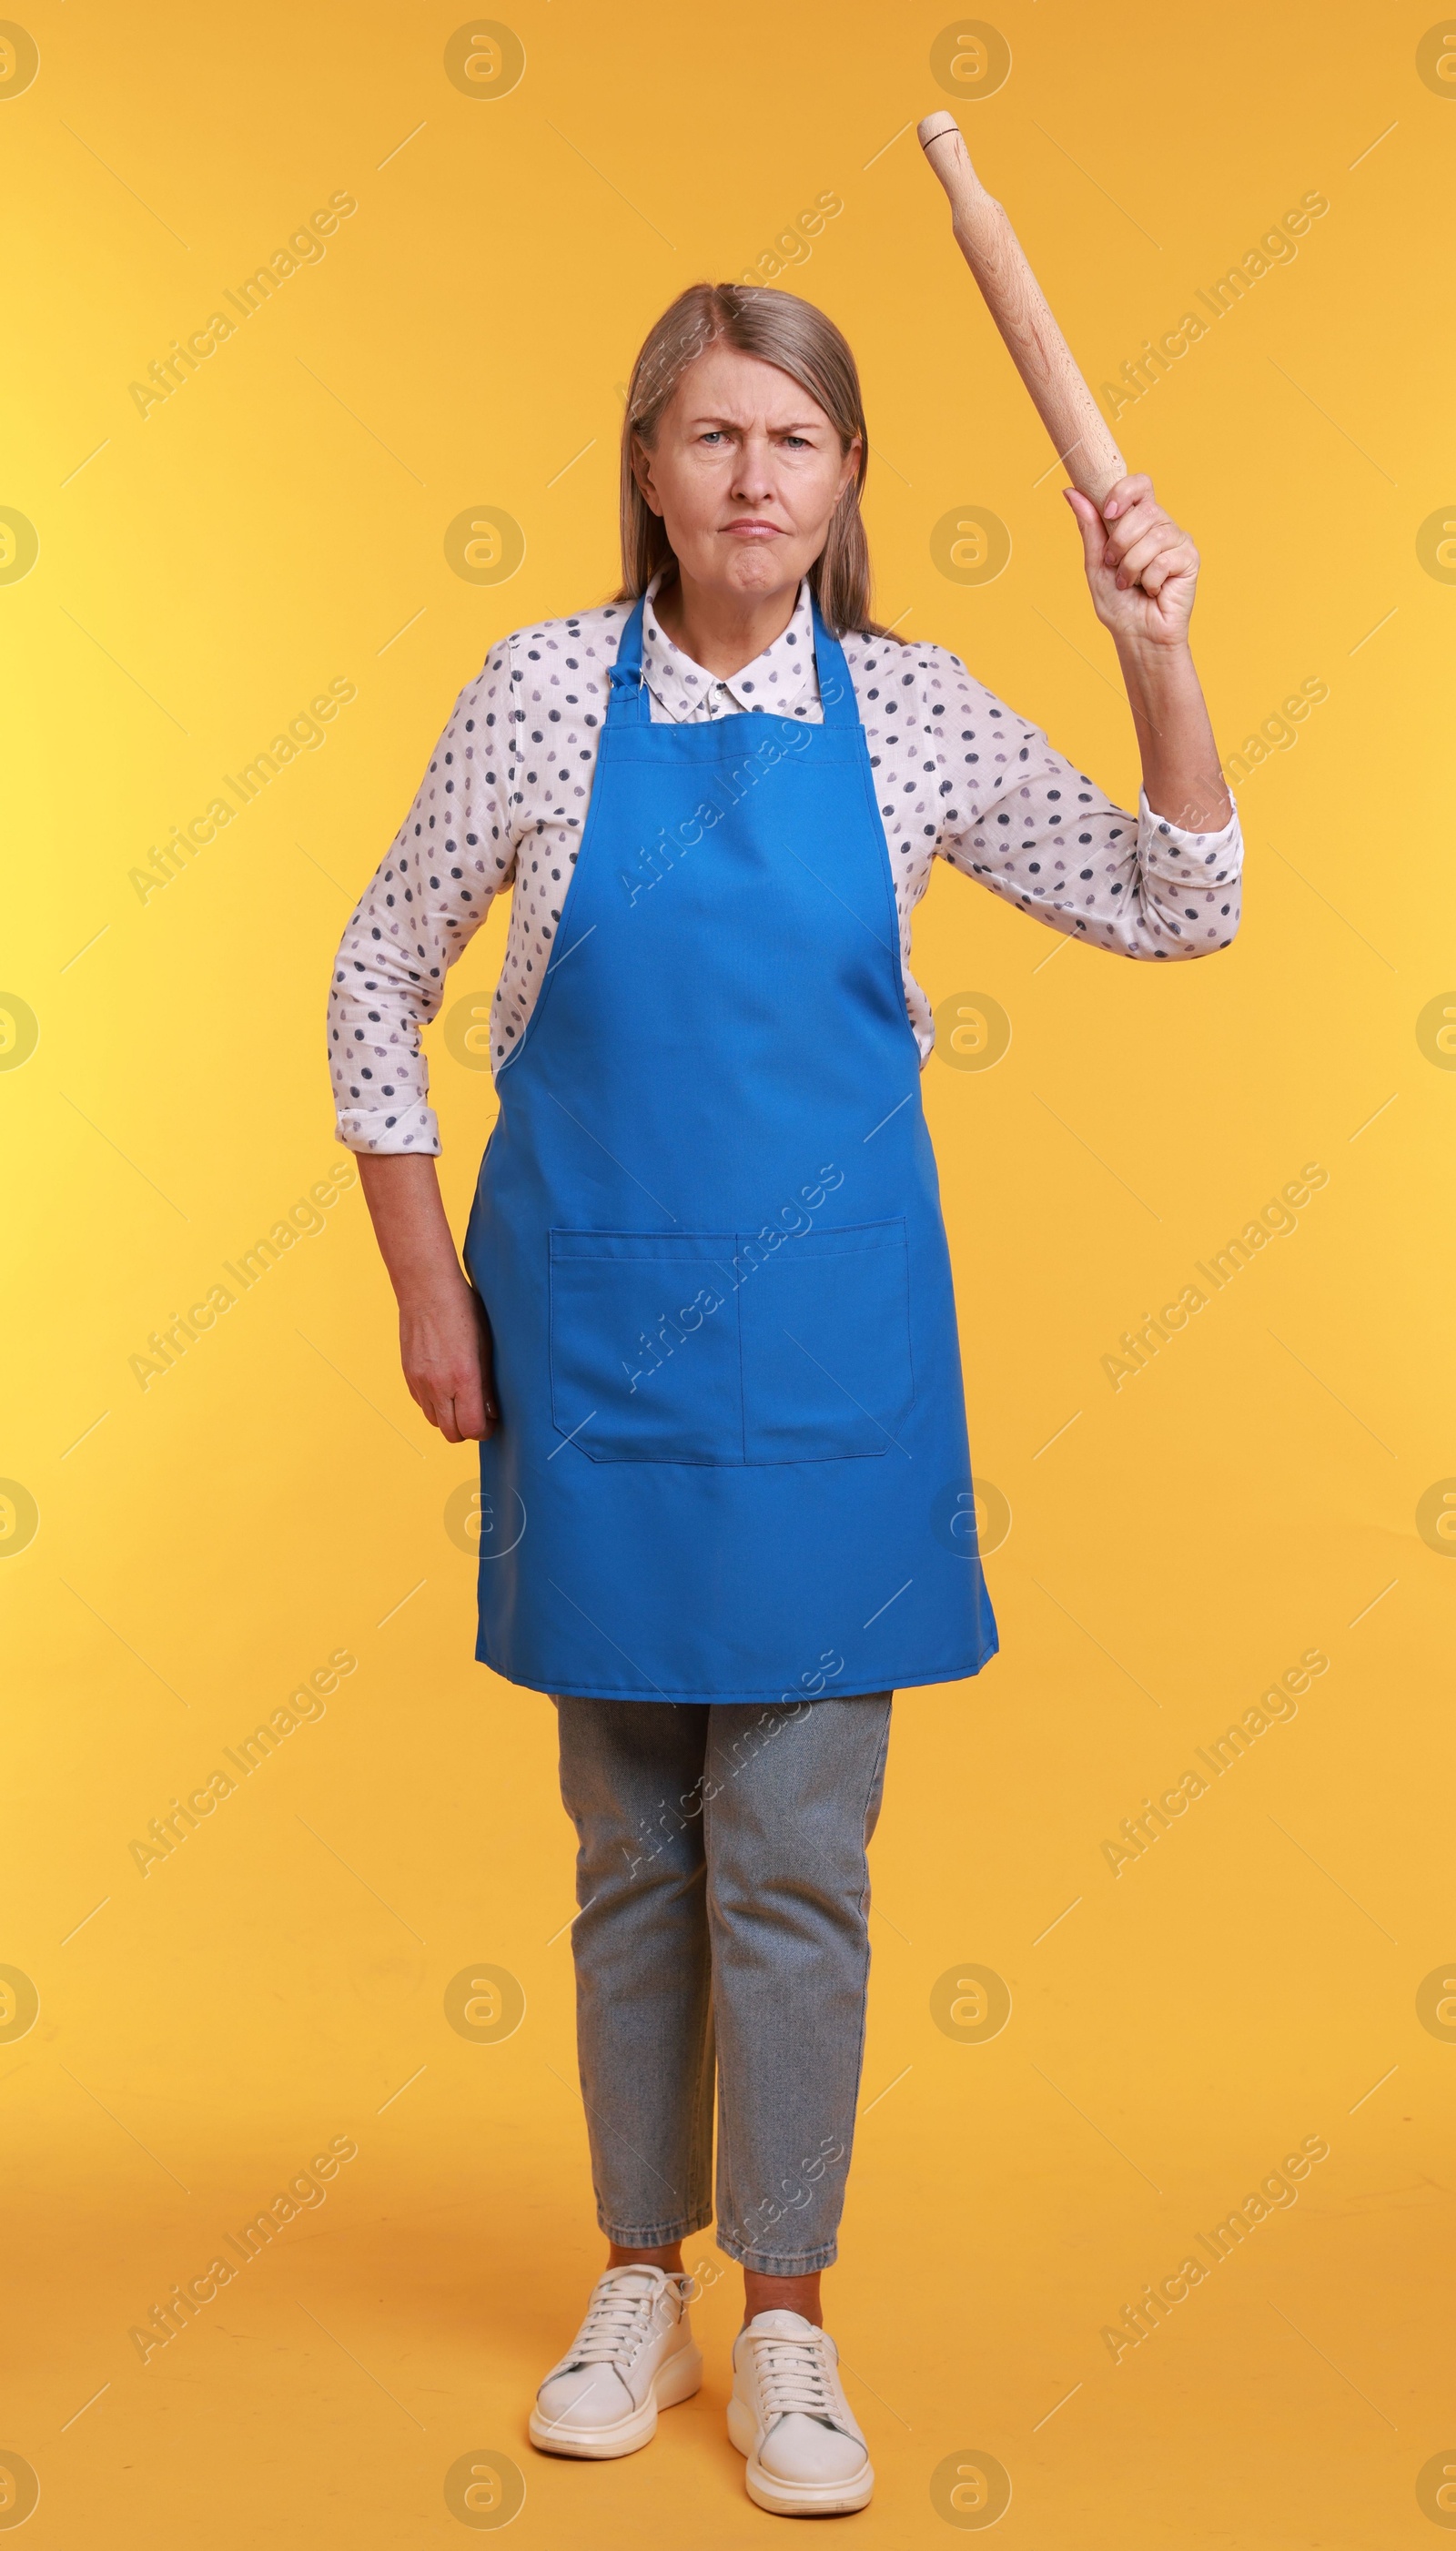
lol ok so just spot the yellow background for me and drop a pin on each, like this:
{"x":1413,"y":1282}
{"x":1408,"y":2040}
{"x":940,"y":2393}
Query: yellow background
{"x":206,"y":1544}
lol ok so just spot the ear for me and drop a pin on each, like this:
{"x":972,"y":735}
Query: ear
{"x":850,"y":471}
{"x":642,"y":473}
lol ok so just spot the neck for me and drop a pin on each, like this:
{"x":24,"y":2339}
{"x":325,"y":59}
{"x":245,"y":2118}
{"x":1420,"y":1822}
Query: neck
{"x":722,"y":632}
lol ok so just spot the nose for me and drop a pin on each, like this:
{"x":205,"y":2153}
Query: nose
{"x":753,"y":478}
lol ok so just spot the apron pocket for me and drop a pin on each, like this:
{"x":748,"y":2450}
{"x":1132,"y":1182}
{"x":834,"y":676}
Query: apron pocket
{"x":826,"y":1343}
{"x":645,"y":1362}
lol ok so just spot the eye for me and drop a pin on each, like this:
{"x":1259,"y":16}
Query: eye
{"x":711,"y":434}
{"x":797,"y":442}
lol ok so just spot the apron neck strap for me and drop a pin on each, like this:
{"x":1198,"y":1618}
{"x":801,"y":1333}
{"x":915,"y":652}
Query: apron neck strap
{"x":836,"y":690}
{"x":629,"y":704}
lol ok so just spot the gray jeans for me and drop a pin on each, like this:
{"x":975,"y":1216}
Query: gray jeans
{"x":724,"y":1894}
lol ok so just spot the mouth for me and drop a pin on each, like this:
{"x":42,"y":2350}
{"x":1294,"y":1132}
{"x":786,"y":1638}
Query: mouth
{"x":753,"y":530}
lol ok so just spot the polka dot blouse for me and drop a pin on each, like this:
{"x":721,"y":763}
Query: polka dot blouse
{"x":959,"y":778}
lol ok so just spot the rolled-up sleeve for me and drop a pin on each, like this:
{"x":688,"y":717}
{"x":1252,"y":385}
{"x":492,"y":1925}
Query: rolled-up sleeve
{"x":1051,"y":843}
{"x":452,"y":855}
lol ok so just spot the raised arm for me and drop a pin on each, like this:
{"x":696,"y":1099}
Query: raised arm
{"x":1142,"y":573}
{"x":1141,"y":569}
{"x":1024,"y":821}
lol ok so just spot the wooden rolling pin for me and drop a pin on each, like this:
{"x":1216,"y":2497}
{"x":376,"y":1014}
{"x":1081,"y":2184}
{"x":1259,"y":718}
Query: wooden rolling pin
{"x":1017,"y":304}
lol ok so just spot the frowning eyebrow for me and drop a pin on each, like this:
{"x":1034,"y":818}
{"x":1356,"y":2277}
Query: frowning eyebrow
{"x":807,"y":425}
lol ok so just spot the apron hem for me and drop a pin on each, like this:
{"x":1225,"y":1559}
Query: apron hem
{"x":706,"y":1699}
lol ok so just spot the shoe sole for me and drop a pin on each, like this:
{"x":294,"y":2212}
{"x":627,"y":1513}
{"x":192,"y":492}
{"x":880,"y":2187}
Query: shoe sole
{"x":794,"y":2498}
{"x":675,"y":2381}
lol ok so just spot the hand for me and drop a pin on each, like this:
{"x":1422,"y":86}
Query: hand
{"x":1143,"y":570}
{"x":444,"y":1334}
{"x":444,"y":1349}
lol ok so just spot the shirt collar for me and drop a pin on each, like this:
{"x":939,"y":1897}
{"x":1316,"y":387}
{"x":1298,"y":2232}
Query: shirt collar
{"x":782,"y":678}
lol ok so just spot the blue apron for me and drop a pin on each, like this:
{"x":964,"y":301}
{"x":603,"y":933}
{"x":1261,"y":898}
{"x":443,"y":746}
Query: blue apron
{"x":731,"y":1463}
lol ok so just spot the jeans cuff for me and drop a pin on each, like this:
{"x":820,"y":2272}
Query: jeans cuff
{"x":763,"y":2263}
{"x":655,"y":2236}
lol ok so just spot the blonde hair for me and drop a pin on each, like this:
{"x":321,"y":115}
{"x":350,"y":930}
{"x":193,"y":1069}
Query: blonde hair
{"x":783,"y":329}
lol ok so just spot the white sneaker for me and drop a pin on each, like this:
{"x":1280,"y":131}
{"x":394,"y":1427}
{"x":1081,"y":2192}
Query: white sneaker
{"x":633,"y":2355}
{"x":789,"y":2414}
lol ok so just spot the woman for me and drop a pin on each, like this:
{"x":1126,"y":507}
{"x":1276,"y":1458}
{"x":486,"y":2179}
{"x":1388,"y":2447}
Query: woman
{"x":725,"y":1483}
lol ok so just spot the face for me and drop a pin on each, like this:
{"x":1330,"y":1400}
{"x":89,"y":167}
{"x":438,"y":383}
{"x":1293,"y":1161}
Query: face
{"x":746,"y":472}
